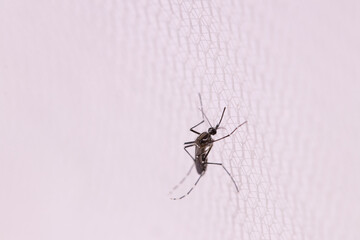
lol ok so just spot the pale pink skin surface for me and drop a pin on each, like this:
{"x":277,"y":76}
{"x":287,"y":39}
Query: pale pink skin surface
{"x":96,"y":99}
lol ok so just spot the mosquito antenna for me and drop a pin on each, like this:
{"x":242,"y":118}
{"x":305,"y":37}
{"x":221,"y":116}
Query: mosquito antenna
{"x":182,"y":180}
{"x":202,"y":111}
{"x":222,"y":115}
{"x":178,"y":198}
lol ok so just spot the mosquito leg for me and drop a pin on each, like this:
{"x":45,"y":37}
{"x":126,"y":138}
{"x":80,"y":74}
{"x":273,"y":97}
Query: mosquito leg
{"x":192,"y":129}
{"x":202,"y":111}
{"x":230,"y":133}
{"x":207,"y":153}
{"x":237,"y":189}
{"x":185,"y":148}
{"x":178,"y":198}
{"x":182,"y":180}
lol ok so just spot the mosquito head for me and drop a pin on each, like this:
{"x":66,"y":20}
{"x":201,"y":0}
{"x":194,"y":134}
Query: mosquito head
{"x":212,"y":131}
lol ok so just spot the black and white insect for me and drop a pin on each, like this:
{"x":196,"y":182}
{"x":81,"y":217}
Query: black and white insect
{"x":203,"y":145}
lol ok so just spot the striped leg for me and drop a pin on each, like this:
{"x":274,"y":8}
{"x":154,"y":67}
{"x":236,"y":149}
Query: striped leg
{"x":178,"y":198}
{"x":182,"y":180}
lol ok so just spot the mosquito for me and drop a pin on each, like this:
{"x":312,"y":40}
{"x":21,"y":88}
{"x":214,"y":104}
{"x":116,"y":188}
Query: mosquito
{"x":203,"y":145}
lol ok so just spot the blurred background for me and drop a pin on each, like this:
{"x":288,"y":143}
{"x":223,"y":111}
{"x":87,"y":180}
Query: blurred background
{"x":97,"y":99}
